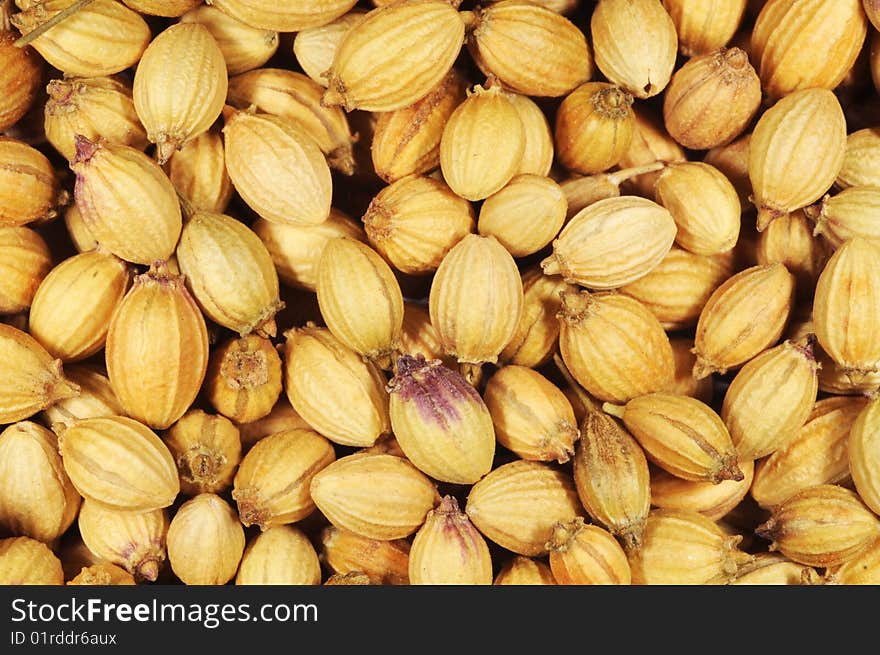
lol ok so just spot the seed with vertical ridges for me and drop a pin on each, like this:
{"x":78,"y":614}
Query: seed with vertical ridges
{"x":282,"y":555}
{"x":864,"y":455}
{"x":25,"y":260}
{"x":207,"y":450}
{"x":583,"y":554}
{"x":244,"y":379}
{"x":521,"y":570}
{"x":26,"y":561}
{"x":708,"y":498}
{"x":704,"y":25}
{"x":385,"y":561}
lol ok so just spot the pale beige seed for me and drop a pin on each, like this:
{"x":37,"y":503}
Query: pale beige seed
{"x":394,"y":56}
{"x":418,"y":336}
{"x":205,"y":541}
{"x":179,"y":86}
{"x":29,"y":186}
{"x":207,"y":451}
{"x":517,"y":504}
{"x":783,"y":43}
{"x":198,"y":172}
{"x":537,"y":157}
{"x":27,"y":561}
{"x":244,"y":378}
{"x":521,"y":570}
{"x":651,"y":143}
{"x":286,"y":17}
{"x":37,"y":499}
{"x":583,"y":554}
{"x":74,"y":304}
{"x":862,"y":569}
{"x":775,"y":569}
{"x":376,"y":496}
{"x":282,"y":417}
{"x":708,"y":498}
{"x":612,"y":477}
{"x":770,"y":398}
{"x":132,"y":540}
{"x":796,"y":152}
{"x":20,"y":79}
{"x":682,"y":547}
{"x":415,"y":221}
{"x":449,"y":550}
{"x":315,"y":47}
{"x":789,"y":240}
{"x":25,"y":260}
{"x":525,"y":215}
{"x":733,"y":161}
{"x":166,"y":8}
{"x":282,"y":555}
{"x":244,"y":47}
{"x":79,"y":232}
{"x":853,"y":212}
{"x":333,"y":389}
{"x":157,"y":324}
{"x":864,"y":454}
{"x":384,"y":561}
{"x":93,"y":107}
{"x":103,"y":574}
{"x":843,"y":317}
{"x":705,"y":25}
{"x":613,"y":345}
{"x":96,"y":398}
{"x":862,"y":159}
{"x":119,"y":463}
{"x":823,"y":526}
{"x":296,"y":249}
{"x":482,"y":143}
{"x":817,"y":454}
{"x":640,"y":60}
{"x":743,"y":316}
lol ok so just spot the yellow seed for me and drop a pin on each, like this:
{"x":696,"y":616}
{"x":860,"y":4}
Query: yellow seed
{"x":796,"y":152}
{"x":612,"y":477}
{"x":29,"y":186}
{"x":440,"y":421}
{"x":536,"y":336}
{"x":449,"y":550}
{"x":612,"y":242}
{"x":282,"y":417}
{"x":593,"y":127}
{"x":72,"y":308}
{"x":94,"y":107}
{"x":244,"y":379}
{"x":824,"y":526}
{"x":37,"y":499}
{"x":770,"y":398}
{"x":334,"y":390}
{"x":418,"y":336}
{"x":297,"y":97}
{"x":394,"y":56}
{"x":846,"y":325}
{"x":96,"y":398}
{"x":157,"y":349}
{"x":677,"y":289}
{"x":282,"y":555}
{"x":21,"y":76}
{"x":521,"y":570}
{"x":733,"y":161}
{"x":103,"y":574}
{"x":684,"y":383}
{"x":704,"y":204}
{"x":271,"y":485}
{"x":537,"y":157}
{"x":784,"y":37}
{"x":315,"y":47}
{"x":743,"y":317}
{"x":708,"y":498}
{"x":179,"y":86}
{"x":205,"y":541}
{"x":79,"y":233}
{"x":34,"y":381}
{"x":525,"y":215}
{"x":851,"y":213}
{"x":166,"y":8}
{"x":862,"y":159}
{"x":681,"y":435}
{"x":862,"y":569}
{"x":712,"y":99}
{"x":119,"y":463}
{"x":613,"y":346}
{"x":482,"y":143}
{"x":703,"y":26}
{"x":683,"y":547}
{"x":864,"y":454}
{"x":407,"y":141}
{"x":380,"y":497}
{"x":415,"y":221}
{"x":384,"y":561}
{"x":531,"y":49}
{"x":103,"y":37}
{"x":476,"y":300}
{"x":532,"y":417}
{"x":134,"y":541}
{"x":640,"y":60}
{"x":26,"y":561}
{"x":126,"y":201}
{"x":296,"y":249}
{"x":517,"y":504}
{"x":269,"y":15}
{"x":774,"y":569}
{"x":206,"y":449}
{"x":25,"y":260}
{"x":244,"y":47}
{"x":198,"y":172}
{"x":651,"y":143}
{"x":789,"y":240}
{"x":268,"y":156}
{"x":582,"y":554}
